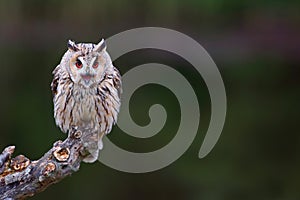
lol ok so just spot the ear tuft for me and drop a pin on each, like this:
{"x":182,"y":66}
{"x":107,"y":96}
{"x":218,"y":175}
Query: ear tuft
{"x":72,"y":46}
{"x":101,"y":46}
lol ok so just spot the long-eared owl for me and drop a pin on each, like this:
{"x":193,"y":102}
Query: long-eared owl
{"x":86,"y":93}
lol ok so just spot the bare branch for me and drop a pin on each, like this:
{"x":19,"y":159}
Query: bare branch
{"x":21,"y":177}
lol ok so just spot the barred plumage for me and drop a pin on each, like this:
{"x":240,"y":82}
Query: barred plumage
{"x":86,"y":92}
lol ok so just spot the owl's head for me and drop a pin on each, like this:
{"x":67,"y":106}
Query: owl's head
{"x":86,"y":62}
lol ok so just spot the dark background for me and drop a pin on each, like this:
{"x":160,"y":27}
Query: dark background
{"x":256,"y":46}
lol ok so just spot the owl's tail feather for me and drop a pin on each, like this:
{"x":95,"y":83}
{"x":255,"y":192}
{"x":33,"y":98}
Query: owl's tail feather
{"x":93,"y":147}
{"x":91,"y":157}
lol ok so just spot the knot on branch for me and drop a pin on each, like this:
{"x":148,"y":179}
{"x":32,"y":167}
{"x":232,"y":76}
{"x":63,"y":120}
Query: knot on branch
{"x":19,"y":163}
{"x":77,"y":134}
{"x":50,"y":167}
{"x":47,"y":170}
{"x":62,"y":154}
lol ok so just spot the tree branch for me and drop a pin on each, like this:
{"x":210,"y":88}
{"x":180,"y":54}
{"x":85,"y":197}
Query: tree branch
{"x":21,"y":177}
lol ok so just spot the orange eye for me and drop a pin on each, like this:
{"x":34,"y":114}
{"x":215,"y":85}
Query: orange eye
{"x":95,"y":65}
{"x":78,"y":64}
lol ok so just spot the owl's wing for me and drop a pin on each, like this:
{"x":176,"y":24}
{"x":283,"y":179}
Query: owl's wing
{"x":117,"y":81}
{"x":62,"y":90}
{"x":112,"y":82}
{"x":56,"y":77}
{"x":108,"y":101}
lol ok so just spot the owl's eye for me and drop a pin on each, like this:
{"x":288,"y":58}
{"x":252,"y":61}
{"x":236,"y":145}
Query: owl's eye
{"x":95,"y":65}
{"x":78,"y":64}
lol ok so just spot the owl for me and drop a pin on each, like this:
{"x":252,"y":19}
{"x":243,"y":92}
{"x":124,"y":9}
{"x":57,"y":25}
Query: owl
{"x":86,"y":91}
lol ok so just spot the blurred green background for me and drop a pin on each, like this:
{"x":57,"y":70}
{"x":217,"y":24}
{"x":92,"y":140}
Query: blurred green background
{"x":256,"y":46}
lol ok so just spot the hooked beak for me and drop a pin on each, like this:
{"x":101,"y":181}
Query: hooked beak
{"x":87,"y":78}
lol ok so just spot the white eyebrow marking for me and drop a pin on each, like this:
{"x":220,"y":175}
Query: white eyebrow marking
{"x":93,"y":61}
{"x":82,"y":61}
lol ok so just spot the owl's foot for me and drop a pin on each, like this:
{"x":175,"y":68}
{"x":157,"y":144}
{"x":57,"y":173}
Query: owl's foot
{"x":92,"y":157}
{"x":100,"y":144}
